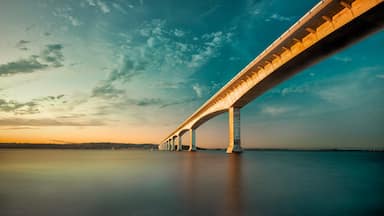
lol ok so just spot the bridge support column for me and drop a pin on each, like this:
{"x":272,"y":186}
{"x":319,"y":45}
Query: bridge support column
{"x":234,"y":130}
{"x":173,"y":144}
{"x":192,"y":143}
{"x":180,"y":144}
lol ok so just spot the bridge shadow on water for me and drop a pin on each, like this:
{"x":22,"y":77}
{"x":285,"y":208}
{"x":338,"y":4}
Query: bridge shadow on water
{"x":211,"y":186}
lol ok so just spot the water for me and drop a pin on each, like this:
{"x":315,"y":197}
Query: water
{"x":124,"y":182}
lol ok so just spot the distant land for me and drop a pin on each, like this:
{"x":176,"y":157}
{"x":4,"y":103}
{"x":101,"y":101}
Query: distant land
{"x":104,"y":145}
{"x":148,"y":146}
{"x":296,"y":149}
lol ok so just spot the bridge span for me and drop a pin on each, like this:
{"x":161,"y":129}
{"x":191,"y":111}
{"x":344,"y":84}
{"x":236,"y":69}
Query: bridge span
{"x":328,"y":27}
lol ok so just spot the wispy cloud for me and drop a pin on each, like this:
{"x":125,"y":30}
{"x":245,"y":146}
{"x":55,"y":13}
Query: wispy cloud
{"x":65,"y":13}
{"x":19,"y":108}
{"x":179,"y":102}
{"x":106,"y":90}
{"x":294,"y":90}
{"x":259,"y":9}
{"x":21,"y":66}
{"x":22,"y":45}
{"x":47,"y":122}
{"x":120,"y":8}
{"x":179,"y":33}
{"x":198,"y":90}
{"x":279,"y":18}
{"x":19,"y":128}
{"x":144,"y":102}
{"x":101,"y":5}
{"x":125,"y":71}
{"x":210,"y":11}
{"x":344,"y":59}
{"x":275,"y":110}
{"x":51,"y":56}
{"x":154,"y":52}
{"x":212,"y":43}
{"x":29,"y":107}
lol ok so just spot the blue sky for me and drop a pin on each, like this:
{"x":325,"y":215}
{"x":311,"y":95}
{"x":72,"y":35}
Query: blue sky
{"x":131,"y":71}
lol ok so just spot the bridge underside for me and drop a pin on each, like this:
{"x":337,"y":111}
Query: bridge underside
{"x":356,"y":30}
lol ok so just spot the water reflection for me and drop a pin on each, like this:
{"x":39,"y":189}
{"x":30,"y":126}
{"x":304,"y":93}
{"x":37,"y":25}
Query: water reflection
{"x":235,"y":202}
{"x":96,"y":183}
{"x":204,"y":189}
{"x":190,"y":177}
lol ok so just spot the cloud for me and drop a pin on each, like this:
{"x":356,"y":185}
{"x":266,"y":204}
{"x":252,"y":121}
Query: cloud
{"x":342,"y":59}
{"x":260,"y":10}
{"x":19,"y":108}
{"x":23,"y":42}
{"x":30,"y":107}
{"x":213,"y":42}
{"x":342,"y":91}
{"x":19,"y":128}
{"x":279,"y":17}
{"x":65,"y":13}
{"x":179,"y":33}
{"x":162,"y":56}
{"x":178,"y":102}
{"x":209,"y":12}
{"x":49,"y":99}
{"x":21,"y":66}
{"x":275,"y":111}
{"x":102,"y":6}
{"x":170,"y":84}
{"x":73,"y":20}
{"x":145,"y":102}
{"x":22,"y":45}
{"x":120,"y":8}
{"x":47,"y":122}
{"x":125,"y":71}
{"x":294,"y":90}
{"x":72,"y":116}
{"x":198,"y":90}
{"x":51,"y":56}
{"x":106,"y":90}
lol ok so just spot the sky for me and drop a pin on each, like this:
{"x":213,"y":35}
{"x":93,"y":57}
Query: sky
{"x":131,"y":71}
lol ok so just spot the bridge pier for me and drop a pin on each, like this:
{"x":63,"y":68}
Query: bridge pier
{"x":234,"y":130}
{"x":180,"y":144}
{"x":192,"y":143}
{"x":173,"y":143}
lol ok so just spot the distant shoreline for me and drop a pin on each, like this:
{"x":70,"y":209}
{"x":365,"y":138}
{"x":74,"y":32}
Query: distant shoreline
{"x":82,"y":146}
{"x":298,"y":149}
{"x":147,"y":146}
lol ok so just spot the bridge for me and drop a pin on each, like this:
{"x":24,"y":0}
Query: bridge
{"x":328,"y":27}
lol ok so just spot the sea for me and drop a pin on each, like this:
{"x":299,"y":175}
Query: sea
{"x":143,"y":182}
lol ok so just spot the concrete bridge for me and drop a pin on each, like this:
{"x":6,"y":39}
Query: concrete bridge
{"x":327,"y":28}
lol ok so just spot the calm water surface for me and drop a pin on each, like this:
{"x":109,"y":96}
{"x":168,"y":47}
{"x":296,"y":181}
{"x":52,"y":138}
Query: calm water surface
{"x":126,"y":182}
